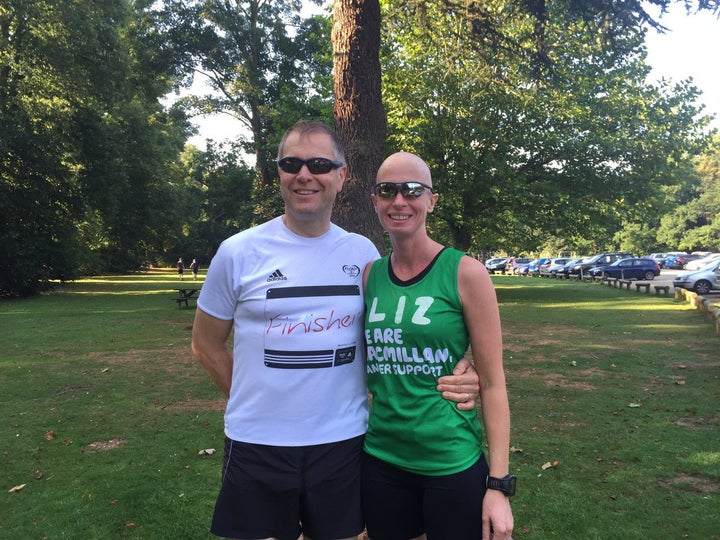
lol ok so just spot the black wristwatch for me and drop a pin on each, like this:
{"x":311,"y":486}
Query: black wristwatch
{"x":505,"y":484}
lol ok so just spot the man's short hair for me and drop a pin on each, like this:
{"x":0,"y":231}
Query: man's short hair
{"x":305,"y":127}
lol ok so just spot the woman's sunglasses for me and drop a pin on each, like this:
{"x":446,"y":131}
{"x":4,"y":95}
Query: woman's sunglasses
{"x":409,"y":190}
{"x":316,"y":165}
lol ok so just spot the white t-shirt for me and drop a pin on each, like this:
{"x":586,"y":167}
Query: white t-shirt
{"x":299,"y":350}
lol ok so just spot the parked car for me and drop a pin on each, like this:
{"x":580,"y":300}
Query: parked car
{"x":569,"y":266}
{"x":556,"y":265}
{"x":599,"y":260}
{"x":657,"y":257}
{"x":697,"y":264}
{"x":668,"y":255}
{"x":701,"y":281}
{"x":536,"y":265}
{"x":498,"y":264}
{"x":519,"y":265}
{"x":635,"y":268}
{"x":678,"y":262}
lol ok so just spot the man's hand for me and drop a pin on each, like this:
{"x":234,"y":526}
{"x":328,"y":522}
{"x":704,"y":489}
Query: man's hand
{"x":463,"y":386}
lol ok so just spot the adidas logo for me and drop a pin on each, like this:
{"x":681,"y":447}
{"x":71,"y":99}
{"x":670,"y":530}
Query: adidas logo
{"x":277,"y":275}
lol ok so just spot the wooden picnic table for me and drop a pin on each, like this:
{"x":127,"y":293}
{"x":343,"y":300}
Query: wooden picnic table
{"x":185,"y":294}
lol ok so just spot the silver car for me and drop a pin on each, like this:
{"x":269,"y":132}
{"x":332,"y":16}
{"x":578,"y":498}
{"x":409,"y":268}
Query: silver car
{"x":701,"y":281}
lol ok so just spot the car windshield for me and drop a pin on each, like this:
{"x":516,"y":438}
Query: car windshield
{"x":712,"y":265}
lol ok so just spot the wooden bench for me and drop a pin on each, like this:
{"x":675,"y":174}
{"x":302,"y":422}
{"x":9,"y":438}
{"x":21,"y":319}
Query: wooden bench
{"x":645,"y":286}
{"x":624,"y":283}
{"x":664,"y":288}
{"x":610,"y":281}
{"x":185,"y":295}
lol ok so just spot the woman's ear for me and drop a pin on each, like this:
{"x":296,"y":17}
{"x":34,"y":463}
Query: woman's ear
{"x":433,"y":201}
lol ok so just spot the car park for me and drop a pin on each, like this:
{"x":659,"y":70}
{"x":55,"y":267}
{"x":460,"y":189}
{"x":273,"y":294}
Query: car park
{"x":599,"y":260}
{"x":697,"y":264}
{"x":701,"y":281}
{"x":498,"y":264}
{"x":634,"y":268}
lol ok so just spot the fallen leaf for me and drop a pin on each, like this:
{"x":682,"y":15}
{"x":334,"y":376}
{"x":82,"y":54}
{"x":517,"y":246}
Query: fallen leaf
{"x":550,"y":465}
{"x":679,"y":382}
{"x":634,"y":405}
{"x":49,"y":435}
{"x":38,"y":475}
{"x":206,"y":452}
{"x":516,"y":450}
{"x":16,"y":488}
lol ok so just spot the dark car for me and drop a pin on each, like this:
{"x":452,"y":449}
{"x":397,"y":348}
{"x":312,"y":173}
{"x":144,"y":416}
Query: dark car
{"x":640,"y":268}
{"x":678,"y":262}
{"x":601,"y":259}
{"x":565,"y":270}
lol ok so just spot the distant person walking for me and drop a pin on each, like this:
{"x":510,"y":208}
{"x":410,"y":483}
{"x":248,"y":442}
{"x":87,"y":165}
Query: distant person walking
{"x":181,"y":268}
{"x":194,"y":266}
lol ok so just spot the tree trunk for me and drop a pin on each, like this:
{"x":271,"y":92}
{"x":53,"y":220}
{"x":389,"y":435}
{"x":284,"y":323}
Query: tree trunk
{"x":359,"y":113}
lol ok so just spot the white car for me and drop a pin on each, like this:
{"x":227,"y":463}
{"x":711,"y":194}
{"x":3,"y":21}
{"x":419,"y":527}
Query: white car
{"x":701,"y":281}
{"x":697,"y":264}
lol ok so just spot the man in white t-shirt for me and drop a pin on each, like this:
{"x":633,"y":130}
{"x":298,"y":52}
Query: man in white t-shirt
{"x":290,"y":292}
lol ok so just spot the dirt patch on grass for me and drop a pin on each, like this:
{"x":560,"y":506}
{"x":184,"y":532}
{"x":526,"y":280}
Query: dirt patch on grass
{"x":194,"y":405}
{"x":699,"y":422}
{"x":698,"y":484}
{"x":557,"y":380}
{"x":104,"y":446}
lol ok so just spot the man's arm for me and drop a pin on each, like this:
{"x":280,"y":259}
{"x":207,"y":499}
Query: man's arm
{"x":209,"y":338}
{"x":462,"y":387}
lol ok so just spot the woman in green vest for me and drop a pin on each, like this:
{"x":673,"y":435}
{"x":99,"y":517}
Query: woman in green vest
{"x":425,"y":472}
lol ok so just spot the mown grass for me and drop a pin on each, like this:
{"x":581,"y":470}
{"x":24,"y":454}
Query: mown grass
{"x":104,"y":413}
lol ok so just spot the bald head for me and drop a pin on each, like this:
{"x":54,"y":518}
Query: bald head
{"x":404,"y":167}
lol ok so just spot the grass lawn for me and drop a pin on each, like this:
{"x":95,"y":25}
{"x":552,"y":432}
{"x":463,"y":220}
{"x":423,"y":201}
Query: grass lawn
{"x":615,"y":398}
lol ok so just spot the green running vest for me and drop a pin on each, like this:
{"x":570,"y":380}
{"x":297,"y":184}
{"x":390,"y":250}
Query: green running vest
{"x":415,"y":333}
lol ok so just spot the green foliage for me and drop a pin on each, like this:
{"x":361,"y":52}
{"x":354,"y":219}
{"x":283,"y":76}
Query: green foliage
{"x":87,"y":143}
{"x":536,"y":124}
{"x":695,"y":225}
{"x":265,"y":66}
{"x":217,"y":200}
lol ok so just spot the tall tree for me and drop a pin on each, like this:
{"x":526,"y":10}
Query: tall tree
{"x":535,"y":116}
{"x":359,"y":112}
{"x":84,"y":139}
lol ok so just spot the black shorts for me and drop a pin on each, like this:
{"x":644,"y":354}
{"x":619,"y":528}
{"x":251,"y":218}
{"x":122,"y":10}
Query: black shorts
{"x":280,"y":492}
{"x":399,"y":504}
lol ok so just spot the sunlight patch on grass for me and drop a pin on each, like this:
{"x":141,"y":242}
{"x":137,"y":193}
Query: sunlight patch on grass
{"x":705,"y":458}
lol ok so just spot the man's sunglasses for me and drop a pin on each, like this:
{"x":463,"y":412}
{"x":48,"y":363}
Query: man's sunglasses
{"x":316,"y":165}
{"x":409,"y":190}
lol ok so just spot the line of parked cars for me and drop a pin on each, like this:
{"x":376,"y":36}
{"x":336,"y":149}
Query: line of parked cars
{"x":702,"y":273}
{"x":677,"y":260}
